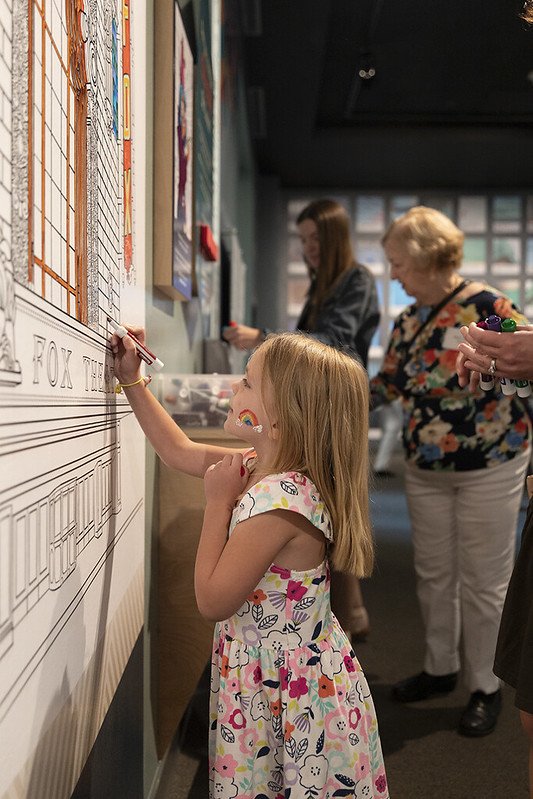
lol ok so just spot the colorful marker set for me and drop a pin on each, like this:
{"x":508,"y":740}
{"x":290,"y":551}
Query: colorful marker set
{"x":508,"y":386}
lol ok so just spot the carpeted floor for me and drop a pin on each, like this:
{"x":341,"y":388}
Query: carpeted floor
{"x":424,"y":755}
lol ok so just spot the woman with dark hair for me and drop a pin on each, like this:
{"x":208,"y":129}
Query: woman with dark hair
{"x":341,"y":310}
{"x":342,"y":305}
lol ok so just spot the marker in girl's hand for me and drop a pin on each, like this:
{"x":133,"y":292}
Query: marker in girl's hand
{"x":143,"y":352}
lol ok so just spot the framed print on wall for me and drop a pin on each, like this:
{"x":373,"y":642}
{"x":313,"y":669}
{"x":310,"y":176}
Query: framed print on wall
{"x":173,"y":154}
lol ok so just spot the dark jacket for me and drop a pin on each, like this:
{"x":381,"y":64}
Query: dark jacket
{"x":349,"y":316}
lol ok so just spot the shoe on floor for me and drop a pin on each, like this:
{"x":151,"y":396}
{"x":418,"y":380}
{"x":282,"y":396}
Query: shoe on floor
{"x":481,"y":714}
{"x":360,"y":636}
{"x":423,"y":685}
{"x":360,"y":625}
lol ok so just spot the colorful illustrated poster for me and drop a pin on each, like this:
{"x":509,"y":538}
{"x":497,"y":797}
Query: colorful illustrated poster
{"x":183,"y":161}
{"x":206,"y":271}
{"x":71,"y":454}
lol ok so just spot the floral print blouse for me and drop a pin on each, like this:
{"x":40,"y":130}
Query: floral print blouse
{"x":446,"y":427}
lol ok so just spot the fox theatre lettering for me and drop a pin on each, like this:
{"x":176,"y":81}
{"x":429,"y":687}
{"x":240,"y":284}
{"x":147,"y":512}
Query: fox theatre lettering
{"x":52,"y":364}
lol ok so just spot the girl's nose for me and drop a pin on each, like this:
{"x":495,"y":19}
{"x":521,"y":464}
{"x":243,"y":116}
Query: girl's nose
{"x":235,"y":386}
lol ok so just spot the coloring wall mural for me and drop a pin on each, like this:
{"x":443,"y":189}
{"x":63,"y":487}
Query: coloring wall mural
{"x":71,"y":456}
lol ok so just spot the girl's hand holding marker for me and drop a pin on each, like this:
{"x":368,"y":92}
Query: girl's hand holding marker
{"x":129,"y":348}
{"x":487,"y":352}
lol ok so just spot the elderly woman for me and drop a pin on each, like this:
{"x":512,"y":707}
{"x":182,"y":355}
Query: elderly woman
{"x":466,"y":455}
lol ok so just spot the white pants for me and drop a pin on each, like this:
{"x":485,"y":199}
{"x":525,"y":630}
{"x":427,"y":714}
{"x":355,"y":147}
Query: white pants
{"x":464,"y":534}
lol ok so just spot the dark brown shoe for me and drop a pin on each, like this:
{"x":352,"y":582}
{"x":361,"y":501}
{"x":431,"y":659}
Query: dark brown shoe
{"x":423,"y":685}
{"x":360,"y":625}
{"x":481,"y":714}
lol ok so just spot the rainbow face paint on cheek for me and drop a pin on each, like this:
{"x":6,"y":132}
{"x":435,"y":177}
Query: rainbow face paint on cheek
{"x":247,"y":418}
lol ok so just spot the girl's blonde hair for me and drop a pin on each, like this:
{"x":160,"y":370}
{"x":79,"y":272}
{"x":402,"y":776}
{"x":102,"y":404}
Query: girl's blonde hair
{"x":319,"y":398}
{"x":336,"y":253}
{"x":429,"y":237}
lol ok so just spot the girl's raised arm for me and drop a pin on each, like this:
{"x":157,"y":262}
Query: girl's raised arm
{"x":172,"y":445}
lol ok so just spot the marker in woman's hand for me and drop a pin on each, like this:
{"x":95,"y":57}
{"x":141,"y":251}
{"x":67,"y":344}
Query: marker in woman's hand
{"x":486,"y":382}
{"x":508,"y":385}
{"x":522,"y":387}
{"x":143,"y":352}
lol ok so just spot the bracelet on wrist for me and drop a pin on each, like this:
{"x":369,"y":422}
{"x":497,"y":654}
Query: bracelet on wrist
{"x":120,"y":386}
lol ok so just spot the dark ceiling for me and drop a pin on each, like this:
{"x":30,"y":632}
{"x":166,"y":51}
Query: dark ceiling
{"x":450,"y":103}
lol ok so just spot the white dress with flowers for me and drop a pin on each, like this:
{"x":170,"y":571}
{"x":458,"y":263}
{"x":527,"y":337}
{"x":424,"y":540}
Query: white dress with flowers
{"x":291,"y":712}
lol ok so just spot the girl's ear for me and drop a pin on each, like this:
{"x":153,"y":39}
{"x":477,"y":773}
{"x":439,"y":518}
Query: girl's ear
{"x":273,"y":433}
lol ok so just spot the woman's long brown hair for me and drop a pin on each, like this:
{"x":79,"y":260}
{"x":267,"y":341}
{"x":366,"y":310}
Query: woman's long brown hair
{"x":336,"y":253}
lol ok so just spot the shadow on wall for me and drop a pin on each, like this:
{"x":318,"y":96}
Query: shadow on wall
{"x":54,"y":769}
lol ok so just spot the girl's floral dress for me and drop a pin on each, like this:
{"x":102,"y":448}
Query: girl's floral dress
{"x":291,"y":712}
{"x":446,"y":427}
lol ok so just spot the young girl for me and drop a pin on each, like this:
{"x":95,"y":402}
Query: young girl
{"x":291,"y":712}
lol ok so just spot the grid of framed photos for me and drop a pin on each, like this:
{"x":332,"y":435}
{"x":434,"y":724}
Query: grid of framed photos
{"x":498,"y":247}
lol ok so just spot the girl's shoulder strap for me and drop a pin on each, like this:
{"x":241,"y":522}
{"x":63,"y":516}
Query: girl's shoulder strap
{"x":290,"y":491}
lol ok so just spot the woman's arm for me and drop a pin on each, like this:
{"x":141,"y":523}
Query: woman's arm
{"x":243,"y":337}
{"x":465,"y":376}
{"x":349,"y":309}
{"x":384,"y":385}
{"x":172,"y":445}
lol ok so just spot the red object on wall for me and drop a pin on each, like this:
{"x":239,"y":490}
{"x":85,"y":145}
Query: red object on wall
{"x":208,"y":247}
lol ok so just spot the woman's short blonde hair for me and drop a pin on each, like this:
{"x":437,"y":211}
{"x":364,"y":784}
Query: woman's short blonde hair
{"x":319,"y":398}
{"x":430,"y":238}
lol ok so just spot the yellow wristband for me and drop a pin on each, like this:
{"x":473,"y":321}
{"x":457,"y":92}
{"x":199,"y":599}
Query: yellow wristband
{"x":120,"y":386}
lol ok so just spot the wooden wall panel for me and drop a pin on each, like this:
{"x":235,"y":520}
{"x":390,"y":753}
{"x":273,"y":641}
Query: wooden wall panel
{"x":183,"y":637}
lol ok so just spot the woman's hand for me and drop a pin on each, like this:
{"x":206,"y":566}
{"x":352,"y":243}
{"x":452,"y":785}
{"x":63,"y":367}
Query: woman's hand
{"x":126,"y":361}
{"x":464,"y":375}
{"x":243,"y":337}
{"x":512,"y":352}
{"x":225,"y":480}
